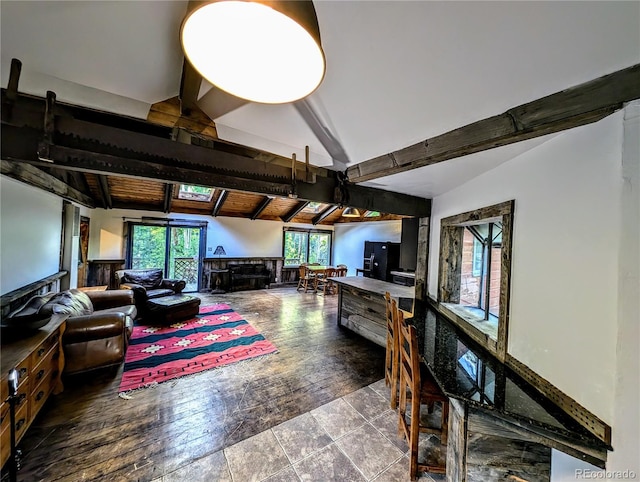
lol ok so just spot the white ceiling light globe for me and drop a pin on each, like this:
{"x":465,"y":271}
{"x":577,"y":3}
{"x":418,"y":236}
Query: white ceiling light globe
{"x":253,"y":51}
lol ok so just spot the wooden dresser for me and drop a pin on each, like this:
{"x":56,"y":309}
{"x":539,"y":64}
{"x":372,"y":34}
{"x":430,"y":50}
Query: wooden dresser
{"x":39,"y":360}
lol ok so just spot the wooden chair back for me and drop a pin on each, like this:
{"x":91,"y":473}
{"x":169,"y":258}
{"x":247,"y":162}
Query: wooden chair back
{"x":391,"y":355}
{"x":416,"y":390}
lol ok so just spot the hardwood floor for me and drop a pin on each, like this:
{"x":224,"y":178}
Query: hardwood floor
{"x":89,"y":433}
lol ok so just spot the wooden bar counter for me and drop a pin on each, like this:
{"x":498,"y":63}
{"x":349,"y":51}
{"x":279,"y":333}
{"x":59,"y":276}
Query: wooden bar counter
{"x":361,"y":305}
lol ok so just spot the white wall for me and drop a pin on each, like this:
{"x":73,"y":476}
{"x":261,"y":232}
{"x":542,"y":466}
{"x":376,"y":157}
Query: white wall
{"x":626,"y":432}
{"x":350,"y":237}
{"x":240,"y":237}
{"x":30,"y":227}
{"x":564,"y":281}
{"x":565,"y":272}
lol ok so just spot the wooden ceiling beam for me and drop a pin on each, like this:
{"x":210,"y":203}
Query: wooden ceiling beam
{"x":265,"y":202}
{"x":105,"y":194}
{"x":294,"y":211}
{"x":220,"y":202}
{"x":136,"y":151}
{"x":321,"y":216}
{"x":168,"y":197}
{"x":189,"y":88}
{"x":573,"y":107}
{"x":38,"y":178}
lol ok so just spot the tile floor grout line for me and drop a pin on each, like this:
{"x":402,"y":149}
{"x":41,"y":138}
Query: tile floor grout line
{"x":352,"y":462}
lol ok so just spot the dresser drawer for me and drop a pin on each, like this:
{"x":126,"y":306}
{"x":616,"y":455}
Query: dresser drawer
{"x":41,"y":392}
{"x":43,"y":350}
{"x":46,"y":365}
{"x":23,"y":372}
{"x":23,"y":396}
{"x":22,"y":417}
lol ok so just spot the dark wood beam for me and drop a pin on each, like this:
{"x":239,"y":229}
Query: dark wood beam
{"x":38,"y":178}
{"x":80,"y":181}
{"x":265,"y":202}
{"x":220,"y":202}
{"x":320,"y":216}
{"x":573,"y":107}
{"x":136,"y":152}
{"x":105,"y":193}
{"x":189,"y":87}
{"x":168,"y":197}
{"x":294,"y":211}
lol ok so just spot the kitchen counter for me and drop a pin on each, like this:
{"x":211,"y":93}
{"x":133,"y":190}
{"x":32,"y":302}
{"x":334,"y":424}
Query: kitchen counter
{"x":485,"y":386}
{"x":361,"y":305}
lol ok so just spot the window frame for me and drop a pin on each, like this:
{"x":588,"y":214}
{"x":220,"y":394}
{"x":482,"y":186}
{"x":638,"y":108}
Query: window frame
{"x":308,"y":232}
{"x":451,"y":233}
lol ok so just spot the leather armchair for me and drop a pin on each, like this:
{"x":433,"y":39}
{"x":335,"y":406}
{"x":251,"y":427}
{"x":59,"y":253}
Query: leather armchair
{"x":98,"y":328}
{"x":147,"y":284}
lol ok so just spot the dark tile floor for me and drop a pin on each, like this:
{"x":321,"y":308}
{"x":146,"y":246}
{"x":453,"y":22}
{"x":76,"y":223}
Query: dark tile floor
{"x":353,"y":438}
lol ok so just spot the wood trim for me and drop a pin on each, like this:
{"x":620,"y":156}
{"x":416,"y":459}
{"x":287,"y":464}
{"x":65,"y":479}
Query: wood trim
{"x":36,"y":177}
{"x":569,"y":108}
{"x":479,"y":216}
{"x":265,"y":202}
{"x":168,"y":197}
{"x":451,"y":234}
{"x":11,"y":300}
{"x":294,"y":211}
{"x":105,"y":193}
{"x":422,"y":261}
{"x":579,"y":413}
{"x":321,"y":216}
{"x":220,"y":202}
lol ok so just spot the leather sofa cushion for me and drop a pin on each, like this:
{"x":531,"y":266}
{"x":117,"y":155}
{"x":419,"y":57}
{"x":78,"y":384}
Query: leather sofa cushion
{"x":72,"y":302}
{"x":159,"y":292}
{"x":148,"y":278}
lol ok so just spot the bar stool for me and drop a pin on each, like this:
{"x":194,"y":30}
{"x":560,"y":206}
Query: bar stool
{"x":418,"y":388}
{"x":392,"y":362}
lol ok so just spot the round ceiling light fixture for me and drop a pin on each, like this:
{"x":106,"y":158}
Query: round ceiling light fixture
{"x":267,"y":51}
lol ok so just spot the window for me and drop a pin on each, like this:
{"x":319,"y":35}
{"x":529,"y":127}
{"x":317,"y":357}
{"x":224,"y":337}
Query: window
{"x":306,"y":246}
{"x":314,"y":208}
{"x":475,"y":270}
{"x":372,"y":214}
{"x":192,"y":192}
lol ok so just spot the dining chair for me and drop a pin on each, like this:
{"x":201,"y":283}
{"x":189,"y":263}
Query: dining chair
{"x":322,"y":281}
{"x":392,"y":363}
{"x":418,"y":388}
{"x":341,"y":270}
{"x":306,"y":279}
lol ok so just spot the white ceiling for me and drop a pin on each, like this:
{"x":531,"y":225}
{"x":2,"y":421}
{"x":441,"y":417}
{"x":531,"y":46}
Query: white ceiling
{"x":397,"y":72}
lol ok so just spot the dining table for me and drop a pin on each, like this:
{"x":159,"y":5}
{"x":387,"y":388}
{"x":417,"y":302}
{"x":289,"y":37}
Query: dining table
{"x":318,"y":271}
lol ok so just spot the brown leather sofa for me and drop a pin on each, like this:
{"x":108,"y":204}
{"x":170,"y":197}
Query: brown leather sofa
{"x":147,"y":284}
{"x":98,"y":328}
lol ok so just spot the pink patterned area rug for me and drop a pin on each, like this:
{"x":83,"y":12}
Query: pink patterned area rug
{"x":217,"y":336}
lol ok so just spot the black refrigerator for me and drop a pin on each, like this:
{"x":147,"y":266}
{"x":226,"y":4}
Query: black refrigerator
{"x":386,"y":258}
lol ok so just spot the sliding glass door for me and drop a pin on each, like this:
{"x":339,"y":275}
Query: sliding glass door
{"x":178,"y":250}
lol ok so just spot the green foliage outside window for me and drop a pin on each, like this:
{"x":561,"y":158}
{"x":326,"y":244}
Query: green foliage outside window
{"x":303,"y":246}
{"x":149,"y":245}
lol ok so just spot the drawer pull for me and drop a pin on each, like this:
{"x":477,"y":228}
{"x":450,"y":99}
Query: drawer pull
{"x":23,"y":372}
{"x":41,"y":352}
{"x":40,"y":374}
{"x":20,"y":423}
{"x":39,"y":395}
{"x":21,"y":398}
